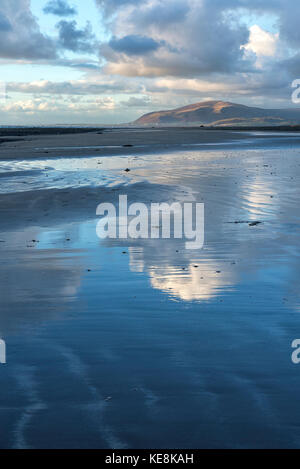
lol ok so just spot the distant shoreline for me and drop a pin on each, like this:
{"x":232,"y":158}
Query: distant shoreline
{"x":55,"y":142}
{"x":28,"y":131}
{"x":57,"y":130}
{"x":271,"y":128}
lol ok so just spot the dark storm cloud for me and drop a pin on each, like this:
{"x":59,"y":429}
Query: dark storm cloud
{"x":74,"y":39}
{"x":59,"y":8}
{"x":134,"y":45}
{"x":20,"y":35}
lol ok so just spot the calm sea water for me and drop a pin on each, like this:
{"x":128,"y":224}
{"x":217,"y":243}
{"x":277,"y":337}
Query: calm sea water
{"x":112,"y":344}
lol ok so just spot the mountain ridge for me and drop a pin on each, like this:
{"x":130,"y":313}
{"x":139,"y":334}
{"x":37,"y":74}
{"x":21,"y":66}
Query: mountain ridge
{"x":220,"y":113}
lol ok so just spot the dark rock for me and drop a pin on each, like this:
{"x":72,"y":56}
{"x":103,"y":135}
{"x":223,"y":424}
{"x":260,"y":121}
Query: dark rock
{"x":255,"y":223}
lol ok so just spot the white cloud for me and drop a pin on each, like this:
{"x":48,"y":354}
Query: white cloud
{"x":100,"y":86}
{"x":44,"y":104}
{"x":261,"y":42}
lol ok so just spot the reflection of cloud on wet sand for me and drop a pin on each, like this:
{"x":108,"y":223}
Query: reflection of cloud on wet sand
{"x":38,"y":283}
{"x":202,"y":280}
{"x":193,"y":284}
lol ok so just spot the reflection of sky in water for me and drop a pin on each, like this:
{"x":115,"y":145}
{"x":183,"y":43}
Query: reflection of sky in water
{"x":143,"y":343}
{"x":59,"y":174}
{"x":231,"y":190}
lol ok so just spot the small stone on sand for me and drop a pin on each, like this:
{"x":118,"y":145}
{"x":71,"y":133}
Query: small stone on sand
{"x":255,"y":223}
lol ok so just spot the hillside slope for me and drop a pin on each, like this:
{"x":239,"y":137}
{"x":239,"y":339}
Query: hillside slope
{"x":221,"y":113}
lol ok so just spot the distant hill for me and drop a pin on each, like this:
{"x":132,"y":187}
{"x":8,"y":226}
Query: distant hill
{"x":221,"y":113}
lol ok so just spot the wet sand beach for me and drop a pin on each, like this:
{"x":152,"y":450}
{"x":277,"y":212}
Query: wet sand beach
{"x":28,"y":144}
{"x":143,"y":343}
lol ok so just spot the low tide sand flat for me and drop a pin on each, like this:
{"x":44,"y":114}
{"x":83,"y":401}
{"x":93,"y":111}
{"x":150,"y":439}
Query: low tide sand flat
{"x":126,"y":141}
{"x":142,"y":343}
{"x":149,"y":227}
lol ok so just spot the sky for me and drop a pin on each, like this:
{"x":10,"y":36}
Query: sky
{"x":110,"y":61}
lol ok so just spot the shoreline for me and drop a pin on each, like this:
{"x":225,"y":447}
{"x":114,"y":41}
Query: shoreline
{"x":129,"y":141}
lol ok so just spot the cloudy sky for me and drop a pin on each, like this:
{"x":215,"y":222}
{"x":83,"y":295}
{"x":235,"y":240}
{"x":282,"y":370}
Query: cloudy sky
{"x":109,"y":61}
